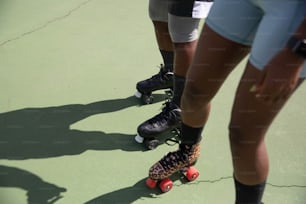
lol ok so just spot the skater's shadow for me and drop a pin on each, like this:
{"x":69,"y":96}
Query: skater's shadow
{"x":45,"y":132}
{"x":38,"y":191}
{"x":137,"y":191}
{"x":127,"y":195}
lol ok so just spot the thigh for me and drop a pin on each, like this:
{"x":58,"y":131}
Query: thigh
{"x":214,"y":59}
{"x":251,"y":118}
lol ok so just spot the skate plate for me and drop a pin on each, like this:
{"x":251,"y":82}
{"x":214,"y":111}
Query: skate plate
{"x":146,"y":98}
{"x":170,"y":137}
{"x":150,"y":143}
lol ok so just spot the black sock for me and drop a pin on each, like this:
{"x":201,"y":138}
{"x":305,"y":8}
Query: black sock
{"x":168,"y":58}
{"x":246,"y":194}
{"x":190,"y":135}
{"x":179,"y":83}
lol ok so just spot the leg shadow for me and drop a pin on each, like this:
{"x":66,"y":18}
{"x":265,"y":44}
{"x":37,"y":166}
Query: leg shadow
{"x":38,"y":191}
{"x":127,"y":195}
{"x":45,"y":132}
{"x":137,"y":191}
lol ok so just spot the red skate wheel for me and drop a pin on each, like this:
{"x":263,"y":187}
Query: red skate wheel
{"x":192,"y":174}
{"x":165,"y":185}
{"x":151,"y":183}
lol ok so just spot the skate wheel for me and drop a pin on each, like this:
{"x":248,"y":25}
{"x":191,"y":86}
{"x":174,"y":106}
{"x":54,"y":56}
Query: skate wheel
{"x":138,"y":94}
{"x":147,"y":99}
{"x":192,"y":174}
{"x":151,"y":143}
{"x":151,"y":183}
{"x":139,"y":139}
{"x":165,"y":185}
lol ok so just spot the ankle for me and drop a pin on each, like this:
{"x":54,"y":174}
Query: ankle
{"x":251,"y":194}
{"x":190,"y":135}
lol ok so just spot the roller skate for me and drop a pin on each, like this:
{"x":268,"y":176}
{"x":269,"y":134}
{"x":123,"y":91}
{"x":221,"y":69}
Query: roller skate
{"x":168,"y":120}
{"x":162,"y":80}
{"x":180,"y":161}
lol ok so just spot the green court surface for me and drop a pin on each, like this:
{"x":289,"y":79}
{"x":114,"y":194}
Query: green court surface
{"x":68,"y":116}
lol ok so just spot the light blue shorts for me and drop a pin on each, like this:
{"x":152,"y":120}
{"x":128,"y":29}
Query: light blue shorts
{"x":266,"y":25}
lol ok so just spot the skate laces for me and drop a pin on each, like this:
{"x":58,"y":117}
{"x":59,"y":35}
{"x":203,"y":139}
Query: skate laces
{"x":185,"y":156}
{"x":161,"y":75}
{"x":166,"y":113}
{"x":172,"y":141}
{"x":174,"y":159}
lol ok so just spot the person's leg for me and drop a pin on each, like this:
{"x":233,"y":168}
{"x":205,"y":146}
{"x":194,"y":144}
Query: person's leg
{"x":164,"y":42}
{"x":162,"y":35}
{"x":184,"y":19}
{"x":158,"y":12}
{"x":215,"y":58}
{"x":205,"y":76}
{"x":183,"y":56}
{"x":251,"y":117}
{"x":222,"y":45}
{"x":184,"y":34}
{"x":250,"y":121}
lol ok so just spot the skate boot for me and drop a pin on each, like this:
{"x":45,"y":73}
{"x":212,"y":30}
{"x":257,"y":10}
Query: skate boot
{"x":168,"y":120}
{"x":162,"y":80}
{"x":181,"y":161}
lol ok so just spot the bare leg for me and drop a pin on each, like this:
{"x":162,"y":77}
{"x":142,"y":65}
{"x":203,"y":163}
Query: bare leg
{"x":250,"y":121}
{"x":162,"y":36}
{"x":183,"y":57}
{"x":215,"y":59}
{"x":164,"y":78}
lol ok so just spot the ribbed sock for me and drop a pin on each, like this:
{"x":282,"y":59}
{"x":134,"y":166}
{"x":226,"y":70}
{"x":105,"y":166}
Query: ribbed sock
{"x":246,"y":194}
{"x":179,"y":83}
{"x":168,"y":58}
{"x":190,"y":135}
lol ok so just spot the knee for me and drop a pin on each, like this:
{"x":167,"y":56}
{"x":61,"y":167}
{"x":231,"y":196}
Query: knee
{"x":237,"y":136}
{"x":244,"y":139}
{"x":193,"y":98}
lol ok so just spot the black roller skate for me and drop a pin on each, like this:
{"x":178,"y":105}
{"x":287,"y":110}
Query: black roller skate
{"x":168,"y":120}
{"x":162,"y":80}
{"x":181,"y":161}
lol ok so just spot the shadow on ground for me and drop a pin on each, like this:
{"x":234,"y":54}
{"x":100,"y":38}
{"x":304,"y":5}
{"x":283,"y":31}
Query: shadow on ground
{"x":31,"y":133}
{"x":127,"y":195}
{"x":45,"y":132}
{"x":38,"y":191}
{"x":138,"y":191}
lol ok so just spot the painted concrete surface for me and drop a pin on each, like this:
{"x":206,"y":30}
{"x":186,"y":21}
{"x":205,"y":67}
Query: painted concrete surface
{"x":68,"y":71}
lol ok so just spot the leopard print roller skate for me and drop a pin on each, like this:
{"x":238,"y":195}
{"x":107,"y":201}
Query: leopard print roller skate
{"x":181,"y":160}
